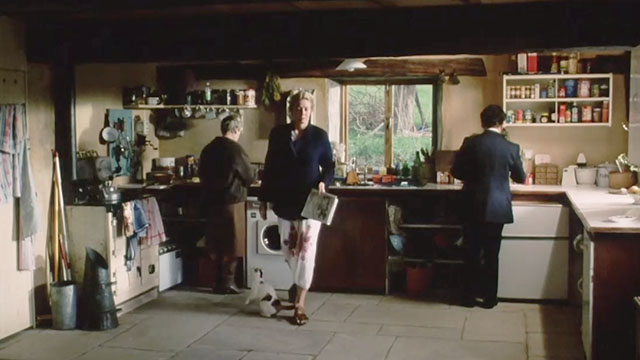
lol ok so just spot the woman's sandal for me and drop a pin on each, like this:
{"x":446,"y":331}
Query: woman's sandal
{"x":299,"y":317}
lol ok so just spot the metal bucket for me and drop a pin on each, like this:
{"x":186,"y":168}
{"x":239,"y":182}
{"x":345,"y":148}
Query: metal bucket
{"x":63,"y":305}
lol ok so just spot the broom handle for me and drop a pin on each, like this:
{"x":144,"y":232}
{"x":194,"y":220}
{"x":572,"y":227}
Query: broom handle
{"x":54,"y":237}
{"x":63,"y":219}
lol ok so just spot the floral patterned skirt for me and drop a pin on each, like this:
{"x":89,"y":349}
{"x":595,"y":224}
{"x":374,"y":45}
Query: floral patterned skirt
{"x":299,"y":240}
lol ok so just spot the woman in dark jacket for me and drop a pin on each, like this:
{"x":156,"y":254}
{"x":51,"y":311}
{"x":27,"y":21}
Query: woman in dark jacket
{"x":226,"y":173}
{"x":299,"y":158}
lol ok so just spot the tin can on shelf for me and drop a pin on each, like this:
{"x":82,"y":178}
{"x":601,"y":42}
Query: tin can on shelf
{"x":597,"y":114}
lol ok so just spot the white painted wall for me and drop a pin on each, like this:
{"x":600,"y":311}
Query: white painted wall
{"x":17,"y":287}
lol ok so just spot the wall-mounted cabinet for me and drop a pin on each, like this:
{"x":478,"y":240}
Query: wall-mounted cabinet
{"x":558,"y":99}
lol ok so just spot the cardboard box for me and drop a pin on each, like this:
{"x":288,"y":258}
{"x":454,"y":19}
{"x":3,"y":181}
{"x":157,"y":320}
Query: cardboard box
{"x":532,"y":63}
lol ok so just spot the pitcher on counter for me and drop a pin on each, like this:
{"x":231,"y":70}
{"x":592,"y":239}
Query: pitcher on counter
{"x":226,"y":174}
{"x":299,"y":158}
{"x":484,"y":163}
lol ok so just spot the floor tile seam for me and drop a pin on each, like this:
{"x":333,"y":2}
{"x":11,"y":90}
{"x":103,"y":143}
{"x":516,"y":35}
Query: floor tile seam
{"x":205,"y":333}
{"x":333,"y":335}
{"x":424,"y":327}
{"x":498,"y":341}
{"x":351,"y":313}
{"x":319,"y":306}
{"x":173,"y":351}
{"x":386,"y":356}
{"x":398,"y":324}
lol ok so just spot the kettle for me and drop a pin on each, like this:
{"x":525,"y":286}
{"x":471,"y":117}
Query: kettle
{"x":110,"y":193}
{"x":602,"y":177}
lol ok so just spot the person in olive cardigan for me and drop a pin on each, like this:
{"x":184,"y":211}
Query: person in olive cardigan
{"x":299,"y":158}
{"x":226,"y":173}
{"x":485,"y":162}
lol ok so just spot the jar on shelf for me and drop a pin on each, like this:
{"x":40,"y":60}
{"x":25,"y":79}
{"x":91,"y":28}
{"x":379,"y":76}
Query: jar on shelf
{"x":597,"y":114}
{"x":595,"y":90}
{"x":239,"y":97}
{"x":604,"y":90}
{"x":544,"y":118}
{"x":573,"y":64}
{"x":528,"y":116}
{"x":250,"y":97}
{"x":564,"y":66}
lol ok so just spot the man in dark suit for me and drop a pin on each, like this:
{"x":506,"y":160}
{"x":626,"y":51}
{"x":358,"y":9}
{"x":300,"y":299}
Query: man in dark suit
{"x":484,"y":163}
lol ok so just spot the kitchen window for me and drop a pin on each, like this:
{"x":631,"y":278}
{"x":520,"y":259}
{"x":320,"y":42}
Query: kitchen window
{"x":388,"y":122}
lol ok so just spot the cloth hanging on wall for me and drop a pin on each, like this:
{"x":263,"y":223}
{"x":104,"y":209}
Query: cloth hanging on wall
{"x":16,"y":179}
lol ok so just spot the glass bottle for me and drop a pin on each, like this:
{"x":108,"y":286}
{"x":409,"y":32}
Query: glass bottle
{"x":574,"y":113}
{"x":551,"y":89}
{"x":554,"y":64}
{"x":207,"y":93}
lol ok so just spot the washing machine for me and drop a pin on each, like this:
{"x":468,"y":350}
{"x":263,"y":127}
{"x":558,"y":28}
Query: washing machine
{"x":263,"y":248}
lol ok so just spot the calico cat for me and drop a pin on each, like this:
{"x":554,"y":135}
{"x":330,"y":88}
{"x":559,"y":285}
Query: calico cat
{"x":270,"y":305}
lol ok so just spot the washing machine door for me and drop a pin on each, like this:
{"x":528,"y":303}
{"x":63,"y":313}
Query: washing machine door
{"x":269,"y":238}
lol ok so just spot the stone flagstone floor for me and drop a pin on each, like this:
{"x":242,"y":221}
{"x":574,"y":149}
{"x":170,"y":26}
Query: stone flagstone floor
{"x":184,"y":324}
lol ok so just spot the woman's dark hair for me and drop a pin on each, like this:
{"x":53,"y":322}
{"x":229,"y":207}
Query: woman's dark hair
{"x":491,"y":116}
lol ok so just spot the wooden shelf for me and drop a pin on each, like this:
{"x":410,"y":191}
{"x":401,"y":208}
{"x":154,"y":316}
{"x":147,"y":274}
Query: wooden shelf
{"x":551,"y":105}
{"x":210,"y":106}
{"x":559,"y":124}
{"x":564,"y":99}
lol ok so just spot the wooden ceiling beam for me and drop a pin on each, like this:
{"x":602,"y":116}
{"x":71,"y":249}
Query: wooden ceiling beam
{"x":376,"y":68}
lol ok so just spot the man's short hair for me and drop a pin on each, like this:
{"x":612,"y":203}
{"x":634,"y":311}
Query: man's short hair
{"x":230,"y":123}
{"x":491,"y":116}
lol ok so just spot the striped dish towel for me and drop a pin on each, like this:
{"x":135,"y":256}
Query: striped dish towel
{"x":155,"y":231}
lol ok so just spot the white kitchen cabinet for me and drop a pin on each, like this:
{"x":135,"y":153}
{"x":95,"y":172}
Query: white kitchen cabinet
{"x":95,"y":227}
{"x":534,"y":254}
{"x":587,"y":293}
{"x":522,"y":93}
